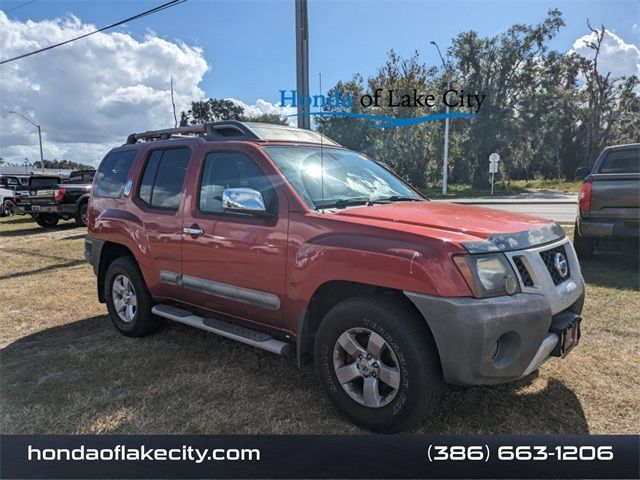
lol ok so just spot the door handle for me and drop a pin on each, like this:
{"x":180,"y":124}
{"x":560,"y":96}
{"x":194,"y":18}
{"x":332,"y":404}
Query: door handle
{"x":193,"y":230}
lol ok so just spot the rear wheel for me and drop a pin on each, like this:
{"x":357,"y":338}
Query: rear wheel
{"x":584,"y":246}
{"x":81,"y":216}
{"x":128,"y":300}
{"x":7,"y":208}
{"x":46,"y":220}
{"x":378,"y":363}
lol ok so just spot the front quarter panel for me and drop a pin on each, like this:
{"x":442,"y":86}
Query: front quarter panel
{"x":323,"y":250}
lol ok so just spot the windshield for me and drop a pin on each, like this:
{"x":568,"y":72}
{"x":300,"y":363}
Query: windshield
{"x":338,"y":178}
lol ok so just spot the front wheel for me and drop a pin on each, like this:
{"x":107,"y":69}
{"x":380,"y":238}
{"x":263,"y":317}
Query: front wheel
{"x":7,"y":208}
{"x":378,"y":363}
{"x":47,"y":220}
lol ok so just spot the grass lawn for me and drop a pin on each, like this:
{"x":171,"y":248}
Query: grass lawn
{"x":512,"y":187}
{"x":65,"y":369}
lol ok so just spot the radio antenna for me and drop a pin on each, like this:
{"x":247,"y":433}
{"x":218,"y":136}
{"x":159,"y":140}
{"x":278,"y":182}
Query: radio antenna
{"x":321,"y":147}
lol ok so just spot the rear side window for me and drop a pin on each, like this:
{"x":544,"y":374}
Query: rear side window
{"x":112,"y":174}
{"x":163,"y":177}
{"x":622,"y":161}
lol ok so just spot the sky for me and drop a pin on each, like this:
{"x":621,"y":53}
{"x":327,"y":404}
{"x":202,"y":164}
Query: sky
{"x":90,"y":94}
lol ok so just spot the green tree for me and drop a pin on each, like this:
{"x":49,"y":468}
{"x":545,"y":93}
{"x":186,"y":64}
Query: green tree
{"x":505,"y":68}
{"x":408,"y":149}
{"x":215,"y":110}
{"x":268,"y":118}
{"x":612,"y":103}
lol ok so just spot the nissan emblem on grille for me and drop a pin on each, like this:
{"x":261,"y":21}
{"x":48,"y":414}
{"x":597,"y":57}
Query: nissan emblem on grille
{"x":560,"y":264}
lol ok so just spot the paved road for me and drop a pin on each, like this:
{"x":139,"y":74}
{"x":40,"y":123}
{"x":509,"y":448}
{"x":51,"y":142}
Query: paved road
{"x":559,"y":207}
{"x":560,"y":212}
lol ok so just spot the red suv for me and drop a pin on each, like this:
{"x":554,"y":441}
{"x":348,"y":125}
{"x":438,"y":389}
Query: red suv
{"x":279,"y":238}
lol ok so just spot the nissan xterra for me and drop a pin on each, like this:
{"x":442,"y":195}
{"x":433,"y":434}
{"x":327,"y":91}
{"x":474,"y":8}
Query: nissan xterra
{"x":281,"y":239}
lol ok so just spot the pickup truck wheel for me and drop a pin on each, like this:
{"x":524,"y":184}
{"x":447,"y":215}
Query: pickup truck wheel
{"x":584,"y":246}
{"x":7,"y":208}
{"x":47,"y":220}
{"x":378,"y":363}
{"x":81,"y":216}
{"x":128,"y":300}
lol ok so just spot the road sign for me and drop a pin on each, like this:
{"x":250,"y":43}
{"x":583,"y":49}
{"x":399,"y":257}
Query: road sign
{"x":494,"y":158}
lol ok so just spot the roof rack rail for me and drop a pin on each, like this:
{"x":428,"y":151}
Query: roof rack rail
{"x":222,"y":130}
{"x":235,"y":130}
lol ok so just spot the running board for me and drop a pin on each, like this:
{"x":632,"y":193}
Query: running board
{"x":224,"y":329}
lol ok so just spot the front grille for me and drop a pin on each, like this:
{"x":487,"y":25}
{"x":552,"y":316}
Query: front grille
{"x":548,"y":257}
{"x":524,"y":273}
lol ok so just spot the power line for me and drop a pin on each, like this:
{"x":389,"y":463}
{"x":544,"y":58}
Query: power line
{"x":164,"y":6}
{"x":20,"y":6}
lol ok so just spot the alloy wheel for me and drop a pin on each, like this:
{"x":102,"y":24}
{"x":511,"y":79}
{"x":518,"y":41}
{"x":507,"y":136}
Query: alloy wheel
{"x":124,"y":298}
{"x":366,"y":367}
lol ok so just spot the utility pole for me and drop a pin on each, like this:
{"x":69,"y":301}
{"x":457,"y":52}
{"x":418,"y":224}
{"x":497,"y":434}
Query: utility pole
{"x":39,"y":133}
{"x":302,"y":64}
{"x":445,"y":162}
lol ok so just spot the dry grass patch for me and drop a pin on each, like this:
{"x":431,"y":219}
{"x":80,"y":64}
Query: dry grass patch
{"x":64,"y":368}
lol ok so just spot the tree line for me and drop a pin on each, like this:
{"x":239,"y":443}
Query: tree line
{"x":55,"y":164}
{"x":545,"y":112}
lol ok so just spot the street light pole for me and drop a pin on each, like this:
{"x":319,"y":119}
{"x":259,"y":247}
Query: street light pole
{"x":39,"y":134}
{"x":445,"y":162}
{"x":40,"y":140}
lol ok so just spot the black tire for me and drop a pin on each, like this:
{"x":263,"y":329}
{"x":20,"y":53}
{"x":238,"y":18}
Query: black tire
{"x":7,"y":208}
{"x":584,"y":246}
{"x":47,"y":220}
{"x":142,"y":320}
{"x":406,"y":335}
{"x":81,"y":215}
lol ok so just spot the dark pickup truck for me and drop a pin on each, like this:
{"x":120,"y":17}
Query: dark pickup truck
{"x":48,"y":200}
{"x":609,"y":201}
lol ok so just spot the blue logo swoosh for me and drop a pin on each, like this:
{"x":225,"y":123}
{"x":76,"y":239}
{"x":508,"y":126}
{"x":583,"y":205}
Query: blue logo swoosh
{"x":381,"y":121}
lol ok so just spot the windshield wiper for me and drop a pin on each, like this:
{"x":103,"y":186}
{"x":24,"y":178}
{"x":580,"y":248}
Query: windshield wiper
{"x":396,"y":198}
{"x":344,"y":202}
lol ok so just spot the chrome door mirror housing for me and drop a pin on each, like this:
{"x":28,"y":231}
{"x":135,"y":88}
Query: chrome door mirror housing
{"x":243,"y":200}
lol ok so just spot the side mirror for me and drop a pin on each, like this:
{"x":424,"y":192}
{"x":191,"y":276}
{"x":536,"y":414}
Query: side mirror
{"x":243,"y":200}
{"x":582,"y":172}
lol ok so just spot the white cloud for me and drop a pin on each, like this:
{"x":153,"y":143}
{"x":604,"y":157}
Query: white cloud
{"x":262,"y":106}
{"x":88,"y":95}
{"x":616,"y":56}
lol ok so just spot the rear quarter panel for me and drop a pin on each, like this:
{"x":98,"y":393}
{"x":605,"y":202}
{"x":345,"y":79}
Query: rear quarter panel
{"x":153,"y":236}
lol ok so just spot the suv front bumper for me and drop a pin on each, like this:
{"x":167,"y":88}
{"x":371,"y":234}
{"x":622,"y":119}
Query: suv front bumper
{"x":492,"y":340}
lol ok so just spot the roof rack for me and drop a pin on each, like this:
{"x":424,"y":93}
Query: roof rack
{"x":234,"y":130}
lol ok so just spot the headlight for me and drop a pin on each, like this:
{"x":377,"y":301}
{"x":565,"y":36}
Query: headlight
{"x":488,"y":275}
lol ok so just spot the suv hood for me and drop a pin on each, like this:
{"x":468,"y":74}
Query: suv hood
{"x":475,"y":228}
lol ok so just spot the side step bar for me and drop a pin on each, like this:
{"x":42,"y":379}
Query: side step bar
{"x":224,"y":329}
